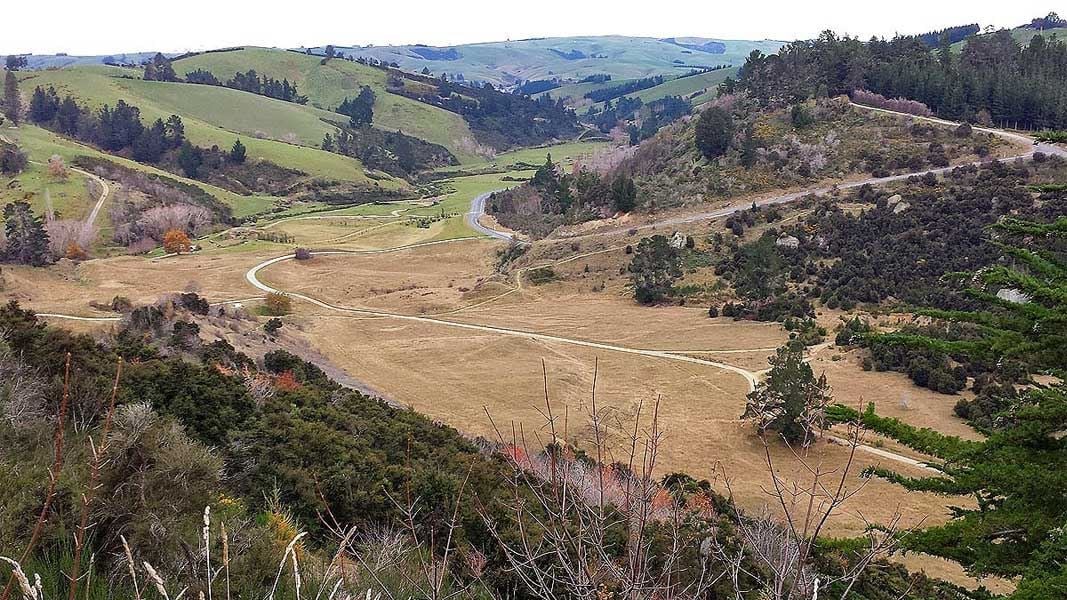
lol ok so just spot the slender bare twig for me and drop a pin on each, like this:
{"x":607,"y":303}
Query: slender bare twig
{"x":98,"y":451}
{"x":53,"y":479}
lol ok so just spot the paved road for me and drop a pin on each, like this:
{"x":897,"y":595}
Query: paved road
{"x":477,"y":210}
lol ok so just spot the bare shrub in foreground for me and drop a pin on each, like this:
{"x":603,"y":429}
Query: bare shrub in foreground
{"x":777,"y":551}
{"x":22,"y":401}
{"x":573,"y":511}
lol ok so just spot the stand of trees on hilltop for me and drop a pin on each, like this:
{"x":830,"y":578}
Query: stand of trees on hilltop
{"x":497,"y":119}
{"x":251,"y":82}
{"x":610,"y":93}
{"x":536,"y":86}
{"x":119,"y":130}
{"x":951,"y":35}
{"x":993,"y":80}
{"x":160,"y":68}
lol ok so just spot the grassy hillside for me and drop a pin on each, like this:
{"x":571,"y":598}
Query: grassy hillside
{"x":70,"y":197}
{"x":327,"y":85}
{"x":505,"y":63}
{"x":574,"y":93}
{"x":56,"y":61}
{"x":1023,"y":35}
{"x":214,"y":115}
{"x":700,"y":88}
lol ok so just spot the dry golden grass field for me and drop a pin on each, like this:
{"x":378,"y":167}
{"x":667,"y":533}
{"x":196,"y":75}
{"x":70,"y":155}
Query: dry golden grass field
{"x":464,"y":340}
{"x":454,"y":374}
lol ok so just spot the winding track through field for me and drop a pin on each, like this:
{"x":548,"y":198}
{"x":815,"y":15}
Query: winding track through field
{"x":252,"y":277}
{"x":105,"y":189}
{"x":477,"y":209}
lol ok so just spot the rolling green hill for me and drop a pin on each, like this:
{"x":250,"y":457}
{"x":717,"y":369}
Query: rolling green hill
{"x":703,"y":84}
{"x":281,"y":132}
{"x":1023,"y":35}
{"x":70,"y":197}
{"x":574,"y":93}
{"x":326,"y":85}
{"x":507,"y":63}
{"x":698,"y":88}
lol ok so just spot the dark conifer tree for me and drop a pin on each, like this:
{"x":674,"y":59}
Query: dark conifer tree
{"x":27,"y":240}
{"x":238,"y":153}
{"x":12,"y":100}
{"x":190,"y":159}
{"x":44,"y":105}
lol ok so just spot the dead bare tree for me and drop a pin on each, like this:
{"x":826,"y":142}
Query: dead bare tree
{"x":22,"y":401}
{"x":776,"y":552}
{"x":569,"y":512}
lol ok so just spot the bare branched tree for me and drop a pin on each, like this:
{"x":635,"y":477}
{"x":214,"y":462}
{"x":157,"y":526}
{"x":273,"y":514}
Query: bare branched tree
{"x":22,"y":389}
{"x":776,"y":554}
{"x":571,"y":513}
{"x":53,"y":478}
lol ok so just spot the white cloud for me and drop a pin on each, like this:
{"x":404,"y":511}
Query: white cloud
{"x":110,"y":26}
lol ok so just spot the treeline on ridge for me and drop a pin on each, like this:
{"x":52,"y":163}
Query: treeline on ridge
{"x":119,"y":130}
{"x":160,"y":68}
{"x":994,"y":80}
{"x":497,"y":119}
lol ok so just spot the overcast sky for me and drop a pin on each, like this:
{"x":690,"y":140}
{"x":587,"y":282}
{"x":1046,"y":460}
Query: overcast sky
{"x":113,"y":26}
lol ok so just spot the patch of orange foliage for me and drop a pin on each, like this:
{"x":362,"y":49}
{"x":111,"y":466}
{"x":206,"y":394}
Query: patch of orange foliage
{"x":286,"y":382}
{"x":75,"y":252}
{"x":175,"y":241}
{"x":516,"y":454}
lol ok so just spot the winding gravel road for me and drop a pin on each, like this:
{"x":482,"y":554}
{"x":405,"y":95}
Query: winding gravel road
{"x":1050,"y":149}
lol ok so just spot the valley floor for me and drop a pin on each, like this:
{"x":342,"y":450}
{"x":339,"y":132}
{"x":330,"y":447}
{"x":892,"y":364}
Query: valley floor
{"x":412,"y":304}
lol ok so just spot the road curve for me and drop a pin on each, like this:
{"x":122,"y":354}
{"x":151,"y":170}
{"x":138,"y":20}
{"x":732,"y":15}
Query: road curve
{"x":477,"y":210}
{"x":105,"y":190}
